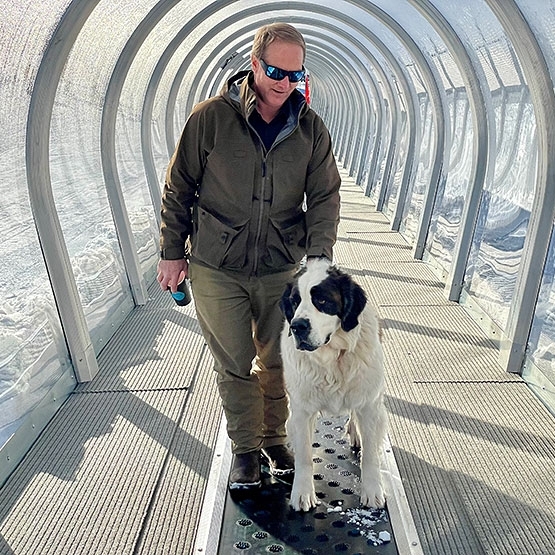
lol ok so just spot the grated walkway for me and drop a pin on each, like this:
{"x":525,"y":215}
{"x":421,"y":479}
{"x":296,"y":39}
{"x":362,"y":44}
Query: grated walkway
{"x":124,"y":467}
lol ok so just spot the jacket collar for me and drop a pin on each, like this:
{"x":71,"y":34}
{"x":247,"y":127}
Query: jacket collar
{"x":239,"y":92}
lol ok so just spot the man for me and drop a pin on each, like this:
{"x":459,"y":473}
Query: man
{"x":247,"y":163}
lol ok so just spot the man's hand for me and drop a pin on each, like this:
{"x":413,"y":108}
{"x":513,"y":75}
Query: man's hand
{"x":172,"y":272}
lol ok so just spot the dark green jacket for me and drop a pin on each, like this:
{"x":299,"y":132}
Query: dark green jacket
{"x":242,"y":208}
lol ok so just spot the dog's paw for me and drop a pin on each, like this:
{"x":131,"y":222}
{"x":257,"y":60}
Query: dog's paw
{"x":303,"y":499}
{"x":304,"y":502}
{"x":372,"y":496}
{"x":354,"y":436}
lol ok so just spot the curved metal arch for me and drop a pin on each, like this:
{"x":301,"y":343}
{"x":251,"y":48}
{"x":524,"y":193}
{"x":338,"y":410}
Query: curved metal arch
{"x":108,"y":131}
{"x":426,"y":69}
{"x":392,"y":148}
{"x":177,"y":80}
{"x":361,"y":86}
{"x":205,"y":77}
{"x":321,"y":58}
{"x":484,"y":138}
{"x":382,"y":115}
{"x":413,"y":116}
{"x":56,"y":256}
{"x":327,"y":104}
{"x":377,"y":95}
{"x":412,"y":111}
{"x":350,"y":134}
{"x":437,"y":95}
{"x":536,"y":243}
{"x":379,"y":116}
{"x":108,"y":148}
{"x":408,"y":89}
{"x":342,"y":97}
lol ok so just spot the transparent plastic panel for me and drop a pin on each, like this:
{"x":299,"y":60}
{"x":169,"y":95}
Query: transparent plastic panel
{"x":445,"y":222}
{"x":392,"y":194}
{"x":541,"y":344}
{"x":478,"y":27}
{"x":33,"y":353}
{"x":505,"y":207}
{"x":220,"y":46}
{"x":85,"y":215}
{"x":380,"y":139}
{"x":446,"y":74}
{"x":424,"y":164}
{"x":77,"y":176}
{"x":206,"y":62}
{"x":506,"y":202}
{"x":138,"y":201}
{"x":385,"y":142}
{"x":453,"y":188}
{"x":367,"y":171}
{"x":452,"y":192}
{"x":129,"y":157}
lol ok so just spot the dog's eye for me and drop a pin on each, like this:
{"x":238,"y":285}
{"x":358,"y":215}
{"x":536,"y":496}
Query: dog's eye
{"x":325,"y":303}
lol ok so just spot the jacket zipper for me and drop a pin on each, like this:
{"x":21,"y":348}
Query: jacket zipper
{"x":260,"y":214}
{"x":261,"y":210}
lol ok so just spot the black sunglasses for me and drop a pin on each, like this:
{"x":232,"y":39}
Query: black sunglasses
{"x":277,"y":74}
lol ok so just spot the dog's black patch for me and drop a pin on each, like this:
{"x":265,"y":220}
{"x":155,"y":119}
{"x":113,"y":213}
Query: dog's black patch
{"x":290,"y":300}
{"x":326,"y":299}
{"x":352,"y":297}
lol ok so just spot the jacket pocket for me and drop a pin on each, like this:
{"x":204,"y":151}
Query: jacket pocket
{"x":286,"y":241}
{"x":217,"y":243}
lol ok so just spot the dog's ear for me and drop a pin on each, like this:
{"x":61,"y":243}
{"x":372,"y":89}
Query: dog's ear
{"x":286,"y":303}
{"x":354,"y":301}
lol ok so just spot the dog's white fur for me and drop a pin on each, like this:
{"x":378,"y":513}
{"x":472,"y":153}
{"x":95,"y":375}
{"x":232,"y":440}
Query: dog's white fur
{"x":343,"y":375}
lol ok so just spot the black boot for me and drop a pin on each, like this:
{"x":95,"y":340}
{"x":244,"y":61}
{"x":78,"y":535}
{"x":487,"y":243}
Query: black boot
{"x":245,"y":472}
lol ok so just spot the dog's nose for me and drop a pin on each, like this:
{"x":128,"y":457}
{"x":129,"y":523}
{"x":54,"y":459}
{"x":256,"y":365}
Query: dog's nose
{"x":300,"y":327}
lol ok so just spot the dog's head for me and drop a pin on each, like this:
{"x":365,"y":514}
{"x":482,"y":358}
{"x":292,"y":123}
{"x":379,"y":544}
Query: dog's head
{"x":321,"y":300}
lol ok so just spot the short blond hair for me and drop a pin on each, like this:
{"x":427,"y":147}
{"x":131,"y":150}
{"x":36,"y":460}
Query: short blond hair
{"x":276,"y":31}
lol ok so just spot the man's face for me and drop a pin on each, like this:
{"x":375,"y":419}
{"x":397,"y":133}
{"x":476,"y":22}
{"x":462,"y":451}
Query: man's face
{"x":285,"y":56}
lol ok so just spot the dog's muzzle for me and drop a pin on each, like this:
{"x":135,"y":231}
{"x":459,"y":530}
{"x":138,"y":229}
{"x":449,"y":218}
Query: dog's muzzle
{"x":300,"y":328}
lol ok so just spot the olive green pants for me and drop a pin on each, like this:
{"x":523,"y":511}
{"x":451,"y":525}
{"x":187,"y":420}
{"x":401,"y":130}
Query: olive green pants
{"x":241,"y":322}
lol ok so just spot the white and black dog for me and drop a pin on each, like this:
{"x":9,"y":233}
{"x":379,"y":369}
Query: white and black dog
{"x":333,"y":364}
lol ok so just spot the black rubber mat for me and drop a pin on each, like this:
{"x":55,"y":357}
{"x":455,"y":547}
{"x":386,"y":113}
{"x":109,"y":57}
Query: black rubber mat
{"x":263,"y":522}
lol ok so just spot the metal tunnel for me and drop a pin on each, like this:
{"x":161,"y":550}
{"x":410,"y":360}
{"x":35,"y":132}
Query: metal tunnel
{"x":441,"y":111}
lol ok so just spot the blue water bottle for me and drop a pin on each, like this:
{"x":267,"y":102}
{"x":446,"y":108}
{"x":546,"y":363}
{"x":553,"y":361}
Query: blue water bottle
{"x":182,"y":296}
